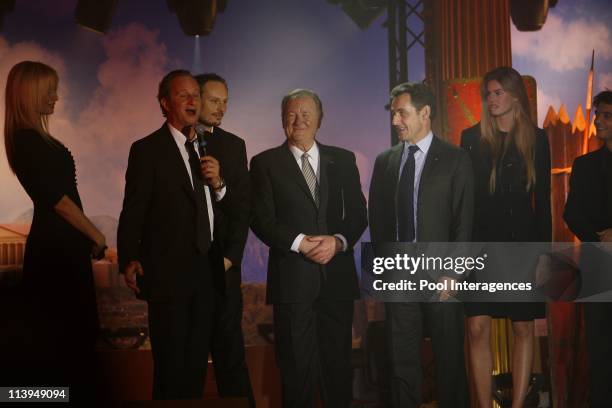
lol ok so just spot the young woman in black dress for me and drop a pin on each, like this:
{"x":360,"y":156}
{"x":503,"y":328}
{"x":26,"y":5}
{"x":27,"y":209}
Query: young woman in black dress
{"x":57,"y":272}
{"x":511,"y":160}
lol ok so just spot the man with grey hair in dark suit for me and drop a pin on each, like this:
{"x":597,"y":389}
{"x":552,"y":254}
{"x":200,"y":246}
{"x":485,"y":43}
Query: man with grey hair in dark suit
{"x":422,"y":191}
{"x":309,"y":209}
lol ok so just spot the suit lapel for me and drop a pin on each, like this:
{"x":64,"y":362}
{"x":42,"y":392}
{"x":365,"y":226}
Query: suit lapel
{"x":215,"y":144}
{"x":293,"y":170}
{"x":395,"y":160}
{"x":431,"y":161}
{"x":326,"y":169}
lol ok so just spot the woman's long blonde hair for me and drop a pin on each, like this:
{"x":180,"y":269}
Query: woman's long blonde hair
{"x":522,"y":132}
{"x":27,"y":86}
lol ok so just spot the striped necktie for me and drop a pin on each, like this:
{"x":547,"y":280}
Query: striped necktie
{"x":311,"y":178}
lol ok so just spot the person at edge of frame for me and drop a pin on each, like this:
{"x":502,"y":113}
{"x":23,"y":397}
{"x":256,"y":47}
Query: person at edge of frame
{"x":588,"y":214}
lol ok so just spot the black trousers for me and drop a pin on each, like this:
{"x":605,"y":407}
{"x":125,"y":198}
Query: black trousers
{"x":180,"y":336}
{"x":404,"y":332}
{"x":313,"y":345}
{"x":227,"y":345}
{"x":598,"y":327}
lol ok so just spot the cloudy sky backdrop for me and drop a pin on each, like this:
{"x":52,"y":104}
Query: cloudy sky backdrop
{"x":264,"y":49}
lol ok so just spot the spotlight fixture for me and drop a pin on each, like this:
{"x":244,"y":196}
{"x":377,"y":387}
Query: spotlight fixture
{"x":95,"y":15}
{"x":6,"y":6}
{"x":197,"y":17}
{"x":362,"y":12}
{"x":530,"y":15}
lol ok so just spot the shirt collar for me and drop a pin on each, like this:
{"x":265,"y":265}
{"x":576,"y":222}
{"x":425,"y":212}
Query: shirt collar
{"x":424,"y":144}
{"x":313,"y":152}
{"x":178,"y":136}
{"x":212,"y":129}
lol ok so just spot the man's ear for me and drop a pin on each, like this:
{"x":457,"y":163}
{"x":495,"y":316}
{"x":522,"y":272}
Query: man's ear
{"x":425,"y":112}
{"x":164,"y":104}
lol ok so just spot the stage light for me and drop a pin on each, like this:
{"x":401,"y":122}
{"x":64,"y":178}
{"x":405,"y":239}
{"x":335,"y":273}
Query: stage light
{"x":362,"y":12}
{"x":530,"y":15}
{"x":196,"y":17}
{"x":95,"y":15}
{"x":6,"y":6}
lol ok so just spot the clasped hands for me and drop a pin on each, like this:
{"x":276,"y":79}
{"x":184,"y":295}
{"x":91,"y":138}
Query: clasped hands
{"x":320,"y":248}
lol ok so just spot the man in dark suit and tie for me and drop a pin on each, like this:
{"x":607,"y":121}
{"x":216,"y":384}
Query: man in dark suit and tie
{"x":588,"y":214}
{"x":309,"y":209}
{"x":227,"y":342}
{"x":422,"y":191}
{"x":165,"y":232}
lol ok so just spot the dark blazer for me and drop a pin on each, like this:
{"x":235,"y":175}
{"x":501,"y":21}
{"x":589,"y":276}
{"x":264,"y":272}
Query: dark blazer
{"x":283,"y":208}
{"x":589,"y":202}
{"x":588,"y":210}
{"x":512,"y":213}
{"x":445,"y":199}
{"x":158,"y":225}
{"x":231,"y":233}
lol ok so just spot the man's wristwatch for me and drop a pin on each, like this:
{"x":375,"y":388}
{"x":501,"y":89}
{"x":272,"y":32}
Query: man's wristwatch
{"x":220,"y":186}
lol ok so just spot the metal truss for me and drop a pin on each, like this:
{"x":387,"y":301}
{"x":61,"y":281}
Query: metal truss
{"x":405,"y":27}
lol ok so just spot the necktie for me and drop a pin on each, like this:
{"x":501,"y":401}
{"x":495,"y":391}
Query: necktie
{"x":405,"y":199}
{"x":194,"y":164}
{"x":203,"y":224}
{"x":311,"y":178}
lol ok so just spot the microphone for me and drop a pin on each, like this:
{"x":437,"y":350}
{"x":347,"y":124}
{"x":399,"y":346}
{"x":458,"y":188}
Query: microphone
{"x":200,"y":130}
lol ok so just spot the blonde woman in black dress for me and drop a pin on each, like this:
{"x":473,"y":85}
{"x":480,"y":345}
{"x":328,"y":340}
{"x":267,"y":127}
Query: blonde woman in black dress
{"x":511,"y":160}
{"x":57,"y":272}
